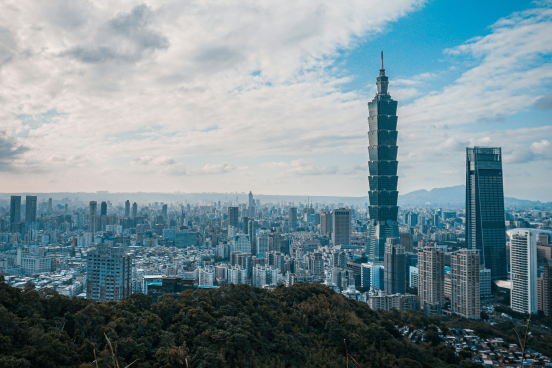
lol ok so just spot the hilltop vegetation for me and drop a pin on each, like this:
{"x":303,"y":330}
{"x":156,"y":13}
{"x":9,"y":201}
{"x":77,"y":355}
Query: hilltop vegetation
{"x":235,"y":326}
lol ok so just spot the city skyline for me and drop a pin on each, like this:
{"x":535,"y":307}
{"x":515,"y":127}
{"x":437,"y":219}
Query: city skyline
{"x":167,"y":112}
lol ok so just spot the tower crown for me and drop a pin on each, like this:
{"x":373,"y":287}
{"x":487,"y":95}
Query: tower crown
{"x":383,"y":80}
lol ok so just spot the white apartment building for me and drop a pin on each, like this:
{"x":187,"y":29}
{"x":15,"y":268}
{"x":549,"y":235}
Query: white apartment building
{"x":523,"y":270}
{"x":206,"y":276}
{"x":36,"y":264}
{"x":465,"y":283}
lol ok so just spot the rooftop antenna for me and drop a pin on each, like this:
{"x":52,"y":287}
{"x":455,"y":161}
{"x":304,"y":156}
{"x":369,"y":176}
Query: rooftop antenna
{"x":382,"y":59}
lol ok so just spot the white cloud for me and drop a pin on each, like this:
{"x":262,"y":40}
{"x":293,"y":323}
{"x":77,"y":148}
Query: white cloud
{"x":452,"y":145}
{"x":356,"y":169}
{"x":178,"y":79}
{"x":306,"y":167}
{"x":148,"y":160}
{"x":401,"y":94}
{"x":214,"y":169}
{"x":274,"y":164}
{"x":541,"y":147}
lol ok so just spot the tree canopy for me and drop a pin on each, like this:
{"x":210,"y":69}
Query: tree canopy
{"x":304,"y":325}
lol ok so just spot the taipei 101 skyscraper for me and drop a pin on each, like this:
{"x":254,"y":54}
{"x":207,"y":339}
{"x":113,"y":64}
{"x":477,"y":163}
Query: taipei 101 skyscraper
{"x":382,"y":150}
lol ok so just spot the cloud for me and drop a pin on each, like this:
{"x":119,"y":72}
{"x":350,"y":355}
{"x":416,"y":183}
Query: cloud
{"x":273,"y":164}
{"x":518,"y":155}
{"x":177,"y":169}
{"x":450,"y":172}
{"x":401,"y":94}
{"x":355,"y":169}
{"x":68,"y":14}
{"x":10,"y":150}
{"x":216,"y":169}
{"x":541,"y":147}
{"x":196,"y":81}
{"x":498,"y":118}
{"x":452,"y":145}
{"x":545,"y":102}
{"x":413,"y":81}
{"x":125,"y":38}
{"x":154,"y":161}
{"x":306,"y":167}
{"x":8,"y":46}
{"x":70,"y":160}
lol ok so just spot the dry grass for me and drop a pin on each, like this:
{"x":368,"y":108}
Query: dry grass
{"x":114,"y":359}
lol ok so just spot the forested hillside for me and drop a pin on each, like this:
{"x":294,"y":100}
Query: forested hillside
{"x":235,"y":326}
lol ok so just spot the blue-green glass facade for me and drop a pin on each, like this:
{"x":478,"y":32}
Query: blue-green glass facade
{"x":485,"y":225}
{"x":383,"y":179}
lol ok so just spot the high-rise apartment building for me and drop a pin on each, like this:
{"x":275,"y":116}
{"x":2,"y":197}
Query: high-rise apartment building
{"x":523,"y":270}
{"x":30,"y":209}
{"x":93,"y":209}
{"x":316,"y":263}
{"x":394,"y":267}
{"x":241,"y":243}
{"x":485,"y":283}
{"x":431,"y":279}
{"x":263,"y":243}
{"x":233,"y":216}
{"x":292,"y":218}
{"x":134,"y":210}
{"x":245,"y":221}
{"x":341,"y":224}
{"x":253,"y":226}
{"x":326,"y":223}
{"x":465,"y":283}
{"x":164,"y":210}
{"x":383,"y":179}
{"x":544,"y":287}
{"x":372,"y":274}
{"x":127,"y":208}
{"x":109,"y":273}
{"x":411,"y":219}
{"x":103,"y":209}
{"x":407,"y":241}
{"x":485,"y":222}
{"x":15,"y":209}
{"x":251,"y":206}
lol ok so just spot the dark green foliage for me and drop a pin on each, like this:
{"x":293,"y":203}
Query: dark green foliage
{"x":304,"y":325}
{"x":465,"y":354}
{"x":446,"y":354}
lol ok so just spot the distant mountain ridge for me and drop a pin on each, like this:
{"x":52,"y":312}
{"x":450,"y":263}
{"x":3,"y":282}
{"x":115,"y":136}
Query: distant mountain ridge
{"x":450,"y":195}
{"x":456,"y":196}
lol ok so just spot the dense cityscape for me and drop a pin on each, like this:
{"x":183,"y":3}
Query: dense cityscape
{"x":469,"y":262}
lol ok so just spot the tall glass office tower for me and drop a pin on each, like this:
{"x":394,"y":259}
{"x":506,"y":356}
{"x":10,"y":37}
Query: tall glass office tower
{"x":485,"y":222}
{"x":382,"y":150}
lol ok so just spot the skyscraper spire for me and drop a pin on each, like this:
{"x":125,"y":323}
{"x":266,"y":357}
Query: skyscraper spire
{"x":382,"y":70}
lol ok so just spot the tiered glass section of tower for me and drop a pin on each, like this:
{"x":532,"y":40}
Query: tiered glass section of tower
{"x":382,"y":150}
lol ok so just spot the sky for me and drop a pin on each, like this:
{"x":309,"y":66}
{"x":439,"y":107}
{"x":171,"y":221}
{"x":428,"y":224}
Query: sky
{"x":269,"y":96}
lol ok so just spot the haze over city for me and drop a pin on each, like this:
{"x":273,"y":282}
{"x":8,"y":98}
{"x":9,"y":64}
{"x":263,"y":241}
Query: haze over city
{"x":166,"y":96}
